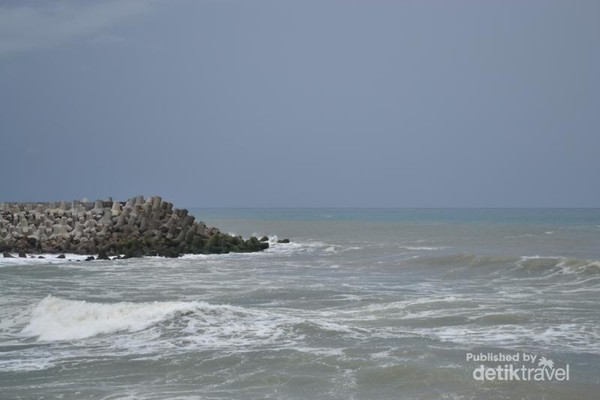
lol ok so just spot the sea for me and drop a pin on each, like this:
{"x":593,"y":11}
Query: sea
{"x":361,"y":304}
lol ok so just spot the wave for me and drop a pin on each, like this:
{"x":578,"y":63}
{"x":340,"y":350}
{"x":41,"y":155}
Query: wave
{"x":34,"y":259}
{"x":582,"y":338}
{"x":553,"y":264}
{"x":501,"y":319}
{"x":194,"y":323}
{"x":425,"y":248}
{"x":465,"y":259}
{"x":59,"y":319}
{"x":275,"y":248}
{"x":176,"y":326}
{"x":564,"y":265}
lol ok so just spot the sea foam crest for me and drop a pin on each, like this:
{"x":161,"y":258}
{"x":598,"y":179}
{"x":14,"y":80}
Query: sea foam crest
{"x":543,"y":264}
{"x":201,"y":323}
{"x":59,"y":319}
{"x":562,"y":265}
{"x":46,"y":259}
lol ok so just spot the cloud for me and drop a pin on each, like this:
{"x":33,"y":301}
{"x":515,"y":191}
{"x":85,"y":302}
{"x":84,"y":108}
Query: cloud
{"x":48,"y":24}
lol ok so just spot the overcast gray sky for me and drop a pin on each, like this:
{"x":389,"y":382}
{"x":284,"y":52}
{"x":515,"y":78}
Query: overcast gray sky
{"x":257,"y":103}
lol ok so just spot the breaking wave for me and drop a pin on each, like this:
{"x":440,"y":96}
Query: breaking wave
{"x":194,"y":323}
{"x":565,"y":265}
{"x":59,"y":319}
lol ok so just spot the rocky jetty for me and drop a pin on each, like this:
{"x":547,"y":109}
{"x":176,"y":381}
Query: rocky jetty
{"x":135,"y":228}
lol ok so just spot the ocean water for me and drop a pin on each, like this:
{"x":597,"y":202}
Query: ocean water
{"x":363,"y":304}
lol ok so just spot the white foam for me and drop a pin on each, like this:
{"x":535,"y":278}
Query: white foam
{"x":330,"y":249}
{"x":274,"y":248}
{"x":569,"y":337}
{"x":295,"y":247}
{"x":48,"y":259}
{"x":556,"y":265}
{"x":426,"y":248}
{"x":37,"y":364}
{"x":59,"y":319}
{"x":203,"y":324}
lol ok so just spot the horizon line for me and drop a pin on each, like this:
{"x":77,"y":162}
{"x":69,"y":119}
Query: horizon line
{"x":400,"y":207}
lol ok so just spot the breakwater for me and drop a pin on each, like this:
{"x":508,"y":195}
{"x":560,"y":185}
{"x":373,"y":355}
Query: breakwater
{"x":134,"y":228}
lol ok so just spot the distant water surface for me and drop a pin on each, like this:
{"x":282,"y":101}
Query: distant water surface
{"x":363,"y":304}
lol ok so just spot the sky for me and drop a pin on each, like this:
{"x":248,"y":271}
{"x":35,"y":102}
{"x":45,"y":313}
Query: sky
{"x":324,"y":103}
